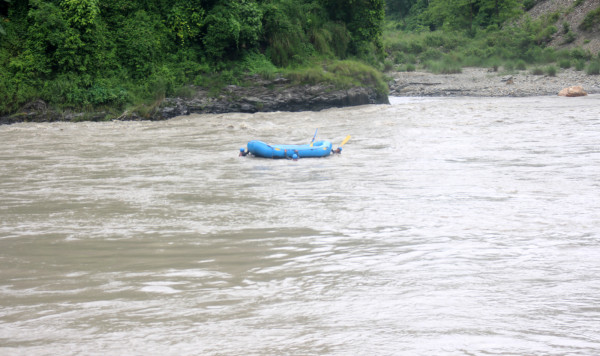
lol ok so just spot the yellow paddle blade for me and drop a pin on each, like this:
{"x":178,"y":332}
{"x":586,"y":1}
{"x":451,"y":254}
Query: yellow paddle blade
{"x":345,"y":140}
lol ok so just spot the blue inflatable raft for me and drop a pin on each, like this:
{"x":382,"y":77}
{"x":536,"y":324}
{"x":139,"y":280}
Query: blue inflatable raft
{"x":262,"y":149}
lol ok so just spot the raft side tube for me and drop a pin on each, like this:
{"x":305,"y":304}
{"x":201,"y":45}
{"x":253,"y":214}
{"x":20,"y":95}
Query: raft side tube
{"x":262,"y":149}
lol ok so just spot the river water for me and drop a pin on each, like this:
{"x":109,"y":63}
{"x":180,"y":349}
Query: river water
{"x":448,"y":226}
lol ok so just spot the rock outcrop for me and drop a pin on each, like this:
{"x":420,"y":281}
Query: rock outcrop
{"x":275,"y":95}
{"x":263,"y":95}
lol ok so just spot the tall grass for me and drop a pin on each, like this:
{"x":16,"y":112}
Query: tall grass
{"x":341,"y":74}
{"x":443,"y":67}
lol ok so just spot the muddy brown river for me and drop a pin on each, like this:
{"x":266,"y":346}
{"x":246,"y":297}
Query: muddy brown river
{"x":448,"y":226}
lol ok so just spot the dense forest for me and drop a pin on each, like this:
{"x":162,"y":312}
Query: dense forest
{"x":86,"y":54}
{"x":114,"y":52}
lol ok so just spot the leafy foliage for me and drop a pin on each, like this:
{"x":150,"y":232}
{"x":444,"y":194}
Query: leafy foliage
{"x":185,"y":20}
{"x":364,"y":20}
{"x":232,"y":27}
{"x":80,"y":14}
{"x":89,"y":53}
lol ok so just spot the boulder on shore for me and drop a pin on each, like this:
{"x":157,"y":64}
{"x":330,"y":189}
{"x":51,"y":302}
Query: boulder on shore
{"x":576,"y":90}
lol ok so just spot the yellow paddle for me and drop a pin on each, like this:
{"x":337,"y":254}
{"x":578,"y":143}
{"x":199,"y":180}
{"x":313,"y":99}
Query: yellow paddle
{"x":339,"y":149}
{"x":345,"y":140}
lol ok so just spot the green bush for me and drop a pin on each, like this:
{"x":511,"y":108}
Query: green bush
{"x":257,"y":63}
{"x":563,"y":54}
{"x":443,"y":67}
{"x":537,"y":71}
{"x":564,"y":63}
{"x":342,"y":74}
{"x":580,"y":64}
{"x":551,"y":71}
{"x":358,"y":73}
{"x":431,"y":54}
{"x":546,"y":34}
{"x":411,"y":59}
{"x":593,"y":68}
{"x":415,"y":47}
{"x":569,"y":37}
{"x":529,"y":4}
{"x":580,"y":53}
{"x":591,"y":19}
{"x":388,"y":65}
{"x":548,"y":55}
{"x":399,"y":57}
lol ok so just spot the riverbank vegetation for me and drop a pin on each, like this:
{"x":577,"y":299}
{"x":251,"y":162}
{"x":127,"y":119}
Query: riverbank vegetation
{"x":90,"y":54}
{"x":128,"y":55}
{"x":443,"y":36}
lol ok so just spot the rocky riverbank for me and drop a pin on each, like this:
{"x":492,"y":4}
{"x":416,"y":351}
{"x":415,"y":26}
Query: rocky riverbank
{"x":484,"y":82}
{"x":269,"y":95}
{"x":280,"y":95}
{"x":262,"y":96}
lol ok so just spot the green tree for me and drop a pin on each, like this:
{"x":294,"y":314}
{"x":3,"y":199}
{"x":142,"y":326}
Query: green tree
{"x":48,"y":34}
{"x":465,"y":14}
{"x":283,"y":34}
{"x":399,"y":8}
{"x":496,"y":12}
{"x":363,"y":18}
{"x":3,"y":12}
{"x":81,"y":14}
{"x":451,"y":14}
{"x":185,"y":20}
{"x":232,"y":26}
{"x":142,"y":43}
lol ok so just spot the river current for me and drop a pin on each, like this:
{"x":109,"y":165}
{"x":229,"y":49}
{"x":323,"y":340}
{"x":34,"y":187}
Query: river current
{"x":448,"y":226}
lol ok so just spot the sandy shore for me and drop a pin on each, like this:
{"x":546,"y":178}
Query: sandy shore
{"x":483,"y":82}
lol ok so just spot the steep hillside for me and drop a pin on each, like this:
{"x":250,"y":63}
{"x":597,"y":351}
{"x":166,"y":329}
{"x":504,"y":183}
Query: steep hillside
{"x":571,"y":14}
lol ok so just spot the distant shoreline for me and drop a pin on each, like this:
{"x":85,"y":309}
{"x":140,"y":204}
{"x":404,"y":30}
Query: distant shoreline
{"x":279,"y":96}
{"x":487,"y":83}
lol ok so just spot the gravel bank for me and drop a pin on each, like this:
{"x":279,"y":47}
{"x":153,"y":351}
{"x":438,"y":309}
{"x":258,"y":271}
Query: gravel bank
{"x":483,"y":82}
